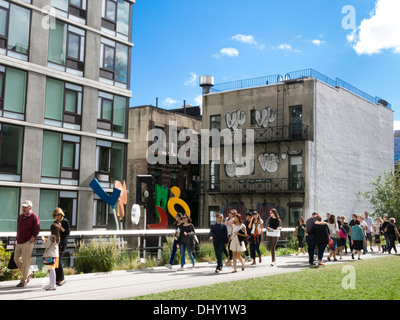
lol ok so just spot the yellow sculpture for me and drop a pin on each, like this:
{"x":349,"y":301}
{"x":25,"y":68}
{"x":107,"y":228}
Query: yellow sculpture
{"x":177,"y":200}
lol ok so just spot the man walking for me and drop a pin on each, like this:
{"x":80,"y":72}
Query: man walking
{"x":310,"y":238}
{"x":28,"y":227}
{"x":219,"y":236}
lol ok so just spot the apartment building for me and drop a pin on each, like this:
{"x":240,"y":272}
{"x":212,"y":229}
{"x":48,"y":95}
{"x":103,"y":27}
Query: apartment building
{"x":318,"y":143}
{"x":64,"y":93}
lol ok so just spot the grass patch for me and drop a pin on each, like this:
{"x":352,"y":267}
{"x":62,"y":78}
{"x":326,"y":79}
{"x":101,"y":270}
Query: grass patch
{"x":376,"y":279}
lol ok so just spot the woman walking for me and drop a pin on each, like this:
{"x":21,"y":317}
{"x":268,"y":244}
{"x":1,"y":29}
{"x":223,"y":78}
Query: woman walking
{"x":357,"y":239}
{"x":320,"y":232}
{"x":256,"y":236}
{"x":178,"y":222}
{"x":273,"y":233}
{"x":186,"y":241}
{"x":300,"y":232}
{"x":391,"y":231}
{"x":63,"y":225}
{"x":237,"y":241}
{"x":333,"y":231}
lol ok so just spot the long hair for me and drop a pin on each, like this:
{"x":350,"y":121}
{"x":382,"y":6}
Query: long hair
{"x":332,"y":219}
{"x":55,"y":231}
{"x":237,"y":215}
{"x":275,"y":212}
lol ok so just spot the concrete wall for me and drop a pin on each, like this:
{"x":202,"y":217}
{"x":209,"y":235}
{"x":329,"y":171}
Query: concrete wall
{"x":353,"y":145}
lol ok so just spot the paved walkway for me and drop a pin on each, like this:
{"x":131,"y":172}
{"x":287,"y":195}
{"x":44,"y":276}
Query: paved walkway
{"x":131,"y":283}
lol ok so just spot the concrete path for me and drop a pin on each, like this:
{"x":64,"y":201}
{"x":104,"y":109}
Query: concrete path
{"x":131,"y":283}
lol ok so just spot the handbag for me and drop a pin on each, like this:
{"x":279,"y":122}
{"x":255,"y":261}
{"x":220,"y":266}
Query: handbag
{"x":48,"y":261}
{"x":240,"y":237}
{"x":11,"y":263}
{"x":275,"y":233}
{"x":330,"y":244}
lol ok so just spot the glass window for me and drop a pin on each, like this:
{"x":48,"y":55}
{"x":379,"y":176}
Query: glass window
{"x":14,"y":30}
{"x":51,"y":154}
{"x":123,"y":17}
{"x":109,"y":57}
{"x":117,"y":161}
{"x":9,"y":199}
{"x":60,"y":4}
{"x":54,"y":99}
{"x":66,"y":48}
{"x":121,"y":63}
{"x":71,"y":100}
{"x":63,"y":104}
{"x":11,"y":145}
{"x":119,"y":116}
{"x":3,"y":22}
{"x":110,"y":10}
{"x":107,"y":106}
{"x":295,"y":213}
{"x":15,"y":90}
{"x":296,"y":172}
{"x":104,"y":159}
{"x":48,"y":202}
{"x":68,"y":155}
{"x":73,"y":46}
{"x":101,"y":212}
{"x":1,"y":89}
{"x":116,"y":16}
{"x":57,"y":43}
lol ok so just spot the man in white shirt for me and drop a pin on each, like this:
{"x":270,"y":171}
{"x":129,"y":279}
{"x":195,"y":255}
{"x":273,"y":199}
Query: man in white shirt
{"x":369,"y":223}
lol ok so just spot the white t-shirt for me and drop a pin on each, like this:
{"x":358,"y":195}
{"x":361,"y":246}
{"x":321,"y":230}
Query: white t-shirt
{"x":369,"y":224}
{"x":363,"y":225}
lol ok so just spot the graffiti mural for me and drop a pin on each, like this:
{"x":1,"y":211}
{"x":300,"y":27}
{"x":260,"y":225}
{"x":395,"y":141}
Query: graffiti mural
{"x":269,"y":162}
{"x":265,"y":117}
{"x":235,"y":119}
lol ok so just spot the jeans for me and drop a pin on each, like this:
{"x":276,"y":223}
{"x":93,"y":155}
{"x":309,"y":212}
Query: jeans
{"x":255,"y":246}
{"x":183,"y":258}
{"x":173,"y":253}
{"x":219,"y":248}
{"x":321,"y":249}
{"x":311,"y":249}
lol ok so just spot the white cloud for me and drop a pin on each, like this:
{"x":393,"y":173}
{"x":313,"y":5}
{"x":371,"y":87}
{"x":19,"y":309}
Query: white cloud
{"x":170,"y":102}
{"x":192,"y":82}
{"x":287,"y":48}
{"x":228,"y":52}
{"x":248,"y":39}
{"x":379,"y":32}
{"x":317,"y":42}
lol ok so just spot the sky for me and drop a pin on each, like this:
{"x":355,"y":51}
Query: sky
{"x":177,"y":41}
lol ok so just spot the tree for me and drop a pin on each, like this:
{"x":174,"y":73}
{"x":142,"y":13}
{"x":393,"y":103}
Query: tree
{"x":385,"y":198}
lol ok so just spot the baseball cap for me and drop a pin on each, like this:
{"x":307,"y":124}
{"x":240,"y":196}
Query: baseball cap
{"x":27,"y":203}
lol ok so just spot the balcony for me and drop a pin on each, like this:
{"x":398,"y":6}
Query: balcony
{"x":254,"y":186}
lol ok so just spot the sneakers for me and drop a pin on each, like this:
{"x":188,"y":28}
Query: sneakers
{"x":168,"y":265}
{"x":181,"y":269}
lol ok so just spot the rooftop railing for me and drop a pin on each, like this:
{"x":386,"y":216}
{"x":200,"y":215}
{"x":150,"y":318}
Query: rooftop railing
{"x":305,"y":73}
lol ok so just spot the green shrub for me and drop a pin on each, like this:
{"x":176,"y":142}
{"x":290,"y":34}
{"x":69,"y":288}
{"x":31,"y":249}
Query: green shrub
{"x":5,"y":273}
{"x":97,"y":256}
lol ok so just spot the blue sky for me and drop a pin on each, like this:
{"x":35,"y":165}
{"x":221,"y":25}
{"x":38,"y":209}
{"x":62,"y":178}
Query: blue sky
{"x":178,"y":41}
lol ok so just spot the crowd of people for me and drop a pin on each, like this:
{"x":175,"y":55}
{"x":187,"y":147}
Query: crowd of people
{"x":232,"y":237}
{"x":334,"y":233}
